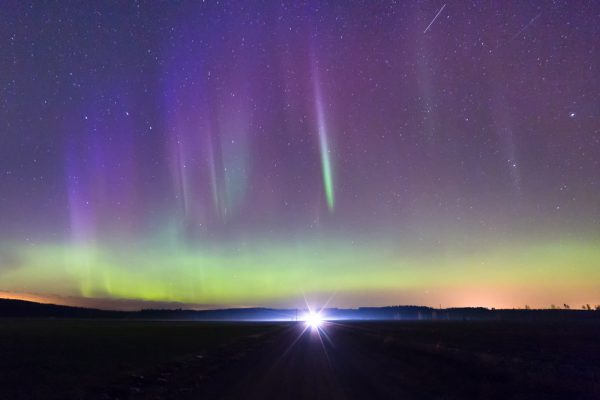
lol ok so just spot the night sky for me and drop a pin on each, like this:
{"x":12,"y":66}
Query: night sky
{"x":256,"y":153}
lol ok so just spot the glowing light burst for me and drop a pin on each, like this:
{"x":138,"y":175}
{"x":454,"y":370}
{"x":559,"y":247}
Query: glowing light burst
{"x":324,"y":150}
{"x":313,"y":320}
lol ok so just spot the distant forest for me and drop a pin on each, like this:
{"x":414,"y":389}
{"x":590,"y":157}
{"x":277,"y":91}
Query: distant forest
{"x":24,"y":309}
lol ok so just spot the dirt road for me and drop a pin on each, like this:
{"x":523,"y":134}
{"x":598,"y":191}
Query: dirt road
{"x":303,"y":363}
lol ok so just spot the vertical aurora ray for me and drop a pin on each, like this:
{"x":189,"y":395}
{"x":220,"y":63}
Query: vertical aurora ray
{"x":326,"y":166}
{"x":214,"y":182}
{"x":324,"y":150}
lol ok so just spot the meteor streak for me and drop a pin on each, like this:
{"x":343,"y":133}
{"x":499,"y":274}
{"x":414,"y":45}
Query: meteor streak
{"x":434,"y":18}
{"x":531,"y":21}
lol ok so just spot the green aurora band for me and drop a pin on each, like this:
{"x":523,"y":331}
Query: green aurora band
{"x":262,"y":273}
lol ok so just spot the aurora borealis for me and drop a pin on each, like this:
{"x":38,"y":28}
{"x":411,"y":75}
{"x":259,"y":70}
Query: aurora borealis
{"x":256,"y":153}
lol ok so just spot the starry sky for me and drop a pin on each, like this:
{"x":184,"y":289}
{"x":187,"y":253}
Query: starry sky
{"x":242,"y":153}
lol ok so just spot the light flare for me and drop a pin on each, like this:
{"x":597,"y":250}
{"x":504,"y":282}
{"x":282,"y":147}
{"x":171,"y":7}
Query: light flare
{"x":313,"y":320}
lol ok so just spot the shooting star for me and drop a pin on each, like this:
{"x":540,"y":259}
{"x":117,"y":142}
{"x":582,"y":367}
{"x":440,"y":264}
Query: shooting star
{"x":525,"y":27}
{"x":434,"y":18}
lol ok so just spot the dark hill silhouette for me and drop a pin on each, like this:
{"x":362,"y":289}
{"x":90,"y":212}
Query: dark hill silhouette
{"x":29,"y":309}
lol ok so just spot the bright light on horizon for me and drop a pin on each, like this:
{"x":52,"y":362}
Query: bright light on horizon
{"x":313,"y":320}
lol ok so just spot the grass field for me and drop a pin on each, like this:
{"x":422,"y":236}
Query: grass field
{"x":45,"y":359}
{"x":102,"y":359}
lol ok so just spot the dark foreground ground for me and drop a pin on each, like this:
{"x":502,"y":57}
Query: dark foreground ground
{"x":54,"y":359}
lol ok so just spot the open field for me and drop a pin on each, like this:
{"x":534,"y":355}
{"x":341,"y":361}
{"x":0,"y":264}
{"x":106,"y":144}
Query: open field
{"x":46,"y":359}
{"x":343,"y":360}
